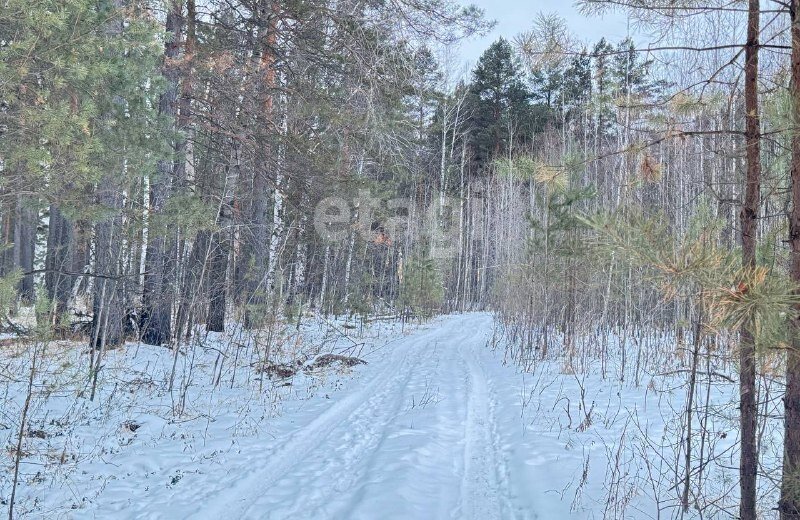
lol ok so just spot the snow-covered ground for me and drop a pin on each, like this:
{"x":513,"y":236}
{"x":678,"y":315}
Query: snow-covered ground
{"x":436,"y":425}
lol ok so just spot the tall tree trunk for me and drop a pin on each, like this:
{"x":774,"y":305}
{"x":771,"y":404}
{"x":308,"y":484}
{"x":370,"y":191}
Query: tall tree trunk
{"x":159,"y":286}
{"x":194,"y":284}
{"x":748,"y":463}
{"x":278,"y":226}
{"x":790,"y":484}
{"x":58,"y":261}
{"x":258,"y":238}
{"x":109,"y":295}
{"x":257,"y":248}
{"x":221,"y":245}
{"x":220,"y":251}
{"x":8,"y":217}
{"x":25,"y":245}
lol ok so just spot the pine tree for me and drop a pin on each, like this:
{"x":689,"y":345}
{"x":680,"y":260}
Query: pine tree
{"x":498,"y":100}
{"x":578,"y":83}
{"x":79,"y":87}
{"x":603,"y":87}
{"x":421,"y":290}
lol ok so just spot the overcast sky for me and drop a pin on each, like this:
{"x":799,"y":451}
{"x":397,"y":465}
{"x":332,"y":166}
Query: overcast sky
{"x":515,"y":16}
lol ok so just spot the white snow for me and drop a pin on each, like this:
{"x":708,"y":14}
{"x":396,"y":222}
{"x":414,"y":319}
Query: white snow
{"x":414,"y":437}
{"x":436,"y":426}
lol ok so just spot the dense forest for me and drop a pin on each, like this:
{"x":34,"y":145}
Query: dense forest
{"x":174,"y":168}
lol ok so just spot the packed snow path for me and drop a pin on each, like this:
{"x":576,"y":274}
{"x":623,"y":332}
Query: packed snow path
{"x":431,"y":428}
{"x":415,"y":438}
{"x":435,"y":426}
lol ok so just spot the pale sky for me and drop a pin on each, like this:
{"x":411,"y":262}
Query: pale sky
{"x":515,"y":16}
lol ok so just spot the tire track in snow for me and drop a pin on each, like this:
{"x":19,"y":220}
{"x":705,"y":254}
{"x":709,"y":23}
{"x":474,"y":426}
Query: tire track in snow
{"x":240,"y":499}
{"x":484,"y":485}
{"x":502,"y":458}
{"x":353,"y":460}
{"x":371,"y":463}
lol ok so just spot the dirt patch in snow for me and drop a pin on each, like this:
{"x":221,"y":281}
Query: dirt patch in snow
{"x":327,"y":360}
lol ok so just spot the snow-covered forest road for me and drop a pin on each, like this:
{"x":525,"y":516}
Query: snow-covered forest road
{"x":415,"y":436}
{"x":438,"y":424}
